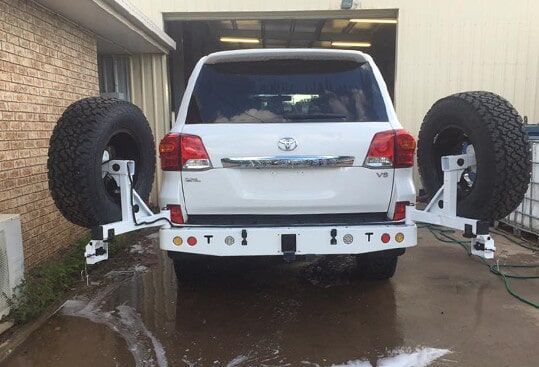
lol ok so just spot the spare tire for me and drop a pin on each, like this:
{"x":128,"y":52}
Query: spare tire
{"x":89,"y":132}
{"x":489,"y":125}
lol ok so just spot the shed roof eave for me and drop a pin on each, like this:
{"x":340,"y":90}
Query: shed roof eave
{"x":115,"y":21}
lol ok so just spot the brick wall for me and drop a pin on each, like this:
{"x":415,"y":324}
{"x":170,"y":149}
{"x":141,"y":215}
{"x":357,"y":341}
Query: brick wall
{"x":46,"y":63}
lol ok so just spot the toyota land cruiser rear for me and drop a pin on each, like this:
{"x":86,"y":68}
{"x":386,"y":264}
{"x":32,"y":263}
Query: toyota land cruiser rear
{"x":287,"y":152}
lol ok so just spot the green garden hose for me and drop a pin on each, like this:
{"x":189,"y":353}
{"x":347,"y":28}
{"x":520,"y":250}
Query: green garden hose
{"x":444,"y":235}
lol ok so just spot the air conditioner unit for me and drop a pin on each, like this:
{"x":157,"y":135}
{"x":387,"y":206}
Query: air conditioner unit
{"x":11,"y":259}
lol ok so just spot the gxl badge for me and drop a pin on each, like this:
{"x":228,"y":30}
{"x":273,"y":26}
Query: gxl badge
{"x":287,"y":144}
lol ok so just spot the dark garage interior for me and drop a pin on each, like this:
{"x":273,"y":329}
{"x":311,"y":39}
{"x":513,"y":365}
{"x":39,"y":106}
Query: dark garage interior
{"x":375,"y":36}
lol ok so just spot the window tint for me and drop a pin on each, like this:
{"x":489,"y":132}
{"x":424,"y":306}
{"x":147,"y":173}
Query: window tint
{"x":286,"y":91}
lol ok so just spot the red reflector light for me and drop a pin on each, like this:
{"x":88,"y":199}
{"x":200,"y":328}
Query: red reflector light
{"x":400,"y":210}
{"x":191,"y":241}
{"x":393,"y":148}
{"x":385,"y":238}
{"x":182,"y":151}
{"x":169,"y":152}
{"x":176,"y":215}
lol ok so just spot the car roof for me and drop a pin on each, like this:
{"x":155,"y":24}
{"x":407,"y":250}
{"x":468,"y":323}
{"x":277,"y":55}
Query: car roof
{"x":261,"y":54}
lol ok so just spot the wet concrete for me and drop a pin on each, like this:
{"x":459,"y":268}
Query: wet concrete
{"x":441,"y":309}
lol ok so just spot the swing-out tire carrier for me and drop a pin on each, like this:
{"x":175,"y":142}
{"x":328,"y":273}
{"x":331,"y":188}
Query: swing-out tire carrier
{"x":323,"y":239}
{"x":442,"y":209}
{"x":289,"y":241}
{"x":135,"y":213}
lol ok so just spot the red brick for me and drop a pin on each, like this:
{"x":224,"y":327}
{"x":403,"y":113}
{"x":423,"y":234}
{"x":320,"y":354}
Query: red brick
{"x":46,"y":63}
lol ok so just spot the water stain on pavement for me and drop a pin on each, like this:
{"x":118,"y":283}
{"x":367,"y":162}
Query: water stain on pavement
{"x":437,"y":311}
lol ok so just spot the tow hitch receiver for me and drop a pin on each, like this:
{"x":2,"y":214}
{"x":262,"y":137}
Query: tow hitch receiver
{"x":442,"y":209}
{"x":288,"y":247}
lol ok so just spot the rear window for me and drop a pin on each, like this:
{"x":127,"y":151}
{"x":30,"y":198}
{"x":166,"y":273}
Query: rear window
{"x":288,"y":91}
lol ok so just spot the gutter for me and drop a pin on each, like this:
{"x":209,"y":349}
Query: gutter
{"x":140,"y":20}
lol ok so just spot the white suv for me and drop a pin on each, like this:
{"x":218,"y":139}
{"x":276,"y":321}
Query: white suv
{"x":288,"y":152}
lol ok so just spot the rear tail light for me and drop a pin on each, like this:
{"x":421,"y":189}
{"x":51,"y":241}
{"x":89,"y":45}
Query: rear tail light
{"x":193,"y":152}
{"x":176,"y":215}
{"x":169,"y":152}
{"x":400,"y":210}
{"x":381,"y":151}
{"x":393,"y":148}
{"x":404,"y":149}
{"x":182,"y":152}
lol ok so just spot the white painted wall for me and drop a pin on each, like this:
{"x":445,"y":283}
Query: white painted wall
{"x":444,"y":46}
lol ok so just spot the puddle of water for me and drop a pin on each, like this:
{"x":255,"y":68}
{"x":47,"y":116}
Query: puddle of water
{"x":256,"y":313}
{"x":263,"y":312}
{"x":420,"y":357}
{"x":355,"y":363}
{"x":137,"y":249}
{"x":237,"y":361}
{"x":146,"y":349}
{"x":275,"y":315}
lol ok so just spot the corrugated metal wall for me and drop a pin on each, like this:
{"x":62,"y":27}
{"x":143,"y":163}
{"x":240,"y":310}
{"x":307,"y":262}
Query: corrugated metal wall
{"x":149,"y":86}
{"x":443,"y":46}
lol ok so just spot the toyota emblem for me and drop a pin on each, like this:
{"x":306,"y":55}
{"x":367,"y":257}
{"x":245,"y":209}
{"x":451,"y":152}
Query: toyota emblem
{"x":287,"y":144}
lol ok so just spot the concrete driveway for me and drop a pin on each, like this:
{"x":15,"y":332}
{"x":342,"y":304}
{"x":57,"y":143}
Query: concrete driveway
{"x":441,"y":309}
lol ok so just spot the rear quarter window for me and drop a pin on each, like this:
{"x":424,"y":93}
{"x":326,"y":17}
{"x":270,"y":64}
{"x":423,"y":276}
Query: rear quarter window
{"x":286,"y":91}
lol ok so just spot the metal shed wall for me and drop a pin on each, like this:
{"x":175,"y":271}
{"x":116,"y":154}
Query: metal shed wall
{"x":443,"y":46}
{"x":149,"y":88}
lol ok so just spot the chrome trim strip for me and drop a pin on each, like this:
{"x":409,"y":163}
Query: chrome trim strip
{"x":298,"y":161}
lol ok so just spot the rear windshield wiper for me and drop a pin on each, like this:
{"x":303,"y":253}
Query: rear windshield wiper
{"x":316,"y":116}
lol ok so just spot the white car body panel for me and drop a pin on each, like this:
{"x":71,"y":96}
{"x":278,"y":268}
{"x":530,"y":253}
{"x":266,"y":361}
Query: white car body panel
{"x":305,"y":191}
{"x":287,"y":191}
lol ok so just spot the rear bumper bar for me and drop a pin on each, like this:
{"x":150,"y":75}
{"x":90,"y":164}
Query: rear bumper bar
{"x":260,"y":241}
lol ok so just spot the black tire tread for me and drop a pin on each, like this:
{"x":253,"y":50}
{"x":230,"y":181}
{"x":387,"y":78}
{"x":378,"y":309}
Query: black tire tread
{"x":512,"y":153}
{"x":374,"y":266}
{"x":69,"y":157}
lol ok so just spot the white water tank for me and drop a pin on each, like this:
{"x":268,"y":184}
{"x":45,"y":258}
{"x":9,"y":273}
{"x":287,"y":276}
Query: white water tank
{"x":11,"y":258}
{"x":526,"y":216}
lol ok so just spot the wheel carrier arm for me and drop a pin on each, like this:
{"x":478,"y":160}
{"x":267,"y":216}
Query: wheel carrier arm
{"x":442,"y":209}
{"x":135,"y":213}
